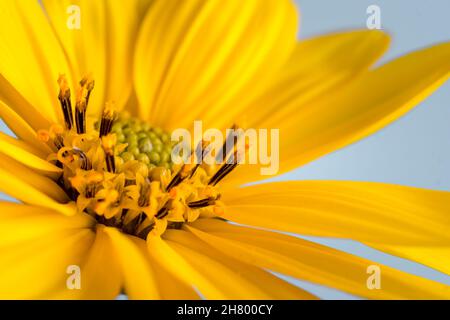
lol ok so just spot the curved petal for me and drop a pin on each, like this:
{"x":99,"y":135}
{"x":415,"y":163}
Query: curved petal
{"x":368,"y":212}
{"x":14,"y":106}
{"x":30,"y":56}
{"x":267,"y":285}
{"x":170,"y":288}
{"x":139,"y":280}
{"x":38,"y":269}
{"x":102,"y":45}
{"x":21,"y":128}
{"x":312,"y":262}
{"x":345,"y":115}
{"x":437,"y":257}
{"x":27,"y":155}
{"x":37,"y":246}
{"x":231,"y":284}
{"x":190,"y":56}
{"x":21,"y":223}
{"x":316,"y":66}
{"x":170,"y":259}
{"x":30,"y":187}
{"x":100,"y":272}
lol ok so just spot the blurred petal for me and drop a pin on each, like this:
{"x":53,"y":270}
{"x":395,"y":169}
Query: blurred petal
{"x":431,"y":256}
{"x":352,"y":112}
{"x":178,"y":267}
{"x":139,"y":280}
{"x":27,"y":155}
{"x":102,"y":46}
{"x":312,"y":262}
{"x":267,"y":284}
{"x":37,"y":247}
{"x":30,"y":56}
{"x":30,"y":187}
{"x":317,"y":66}
{"x":190,"y":56}
{"x":373,"y":212}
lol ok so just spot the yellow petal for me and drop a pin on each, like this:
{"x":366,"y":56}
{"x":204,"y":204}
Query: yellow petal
{"x":231,"y":285}
{"x":316,"y":66}
{"x":21,"y":222}
{"x":189,"y":56}
{"x":170,"y":288}
{"x":21,"y":128}
{"x":169,"y":258}
{"x":100,"y":273}
{"x":38,"y":268}
{"x":23,"y":184}
{"x":30,"y":56}
{"x":434,"y":257}
{"x":372,"y":212}
{"x":27,"y":155}
{"x":345,"y":115}
{"x":261,"y":283}
{"x":19,"y":108}
{"x":103,"y":44}
{"x":139,"y":281}
{"x":312,"y":262}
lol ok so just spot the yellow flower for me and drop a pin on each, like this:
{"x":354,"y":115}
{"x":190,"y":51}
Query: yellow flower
{"x":99,"y":192}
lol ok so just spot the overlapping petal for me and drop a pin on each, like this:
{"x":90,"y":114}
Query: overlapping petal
{"x":368,"y":212}
{"x":312,"y":128}
{"x":312,"y":262}
{"x":195,"y":56}
{"x":37,"y":246}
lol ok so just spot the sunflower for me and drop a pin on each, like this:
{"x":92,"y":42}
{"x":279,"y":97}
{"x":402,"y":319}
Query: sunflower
{"x":92,"y":109}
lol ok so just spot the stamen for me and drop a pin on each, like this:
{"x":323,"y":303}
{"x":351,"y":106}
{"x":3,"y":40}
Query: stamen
{"x":202,"y":153}
{"x":202,"y":203}
{"x":110,"y":198}
{"x":143,"y":234}
{"x":164,"y":211}
{"x":85,"y":163}
{"x":80,"y":110}
{"x":108,"y":118}
{"x":224,"y":170}
{"x":84,"y":93}
{"x":43,"y":135}
{"x":221,"y":156}
{"x":68,"y":156}
{"x":89,"y":83}
{"x":187,"y":170}
{"x":108,"y":143}
{"x":144,"y":197}
{"x":64,"y":99}
{"x":56,"y":133}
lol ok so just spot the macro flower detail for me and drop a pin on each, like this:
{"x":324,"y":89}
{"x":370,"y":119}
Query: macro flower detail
{"x":92,"y":110}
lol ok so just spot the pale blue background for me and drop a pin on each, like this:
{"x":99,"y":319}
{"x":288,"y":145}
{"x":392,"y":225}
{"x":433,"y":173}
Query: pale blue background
{"x":415,"y":150}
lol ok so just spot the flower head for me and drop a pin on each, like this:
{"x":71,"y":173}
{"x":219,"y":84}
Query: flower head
{"x":93,"y":110}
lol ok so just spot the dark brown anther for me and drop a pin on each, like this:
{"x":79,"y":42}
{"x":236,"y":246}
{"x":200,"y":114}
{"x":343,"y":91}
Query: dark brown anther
{"x":108,"y":143}
{"x":164,"y":211}
{"x":202,"y":203}
{"x":84,"y":92}
{"x":107,"y":120}
{"x":85,"y":163}
{"x":64,"y":99}
{"x":224,"y":170}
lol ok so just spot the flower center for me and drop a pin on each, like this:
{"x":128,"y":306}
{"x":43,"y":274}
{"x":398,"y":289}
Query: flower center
{"x":120,"y":171}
